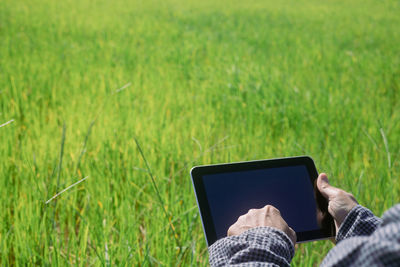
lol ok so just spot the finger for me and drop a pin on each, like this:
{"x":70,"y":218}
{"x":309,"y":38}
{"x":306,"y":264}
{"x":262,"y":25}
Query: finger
{"x":324,"y":187}
{"x":231,"y":230}
{"x":268,"y":206}
{"x":272,"y":209}
{"x":241,"y":218}
{"x":251,"y":210}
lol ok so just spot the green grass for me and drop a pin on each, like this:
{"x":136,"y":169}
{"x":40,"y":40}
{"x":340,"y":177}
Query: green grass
{"x":209,"y":82}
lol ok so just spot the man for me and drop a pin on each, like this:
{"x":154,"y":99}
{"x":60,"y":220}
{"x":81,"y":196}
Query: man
{"x":262,"y":238}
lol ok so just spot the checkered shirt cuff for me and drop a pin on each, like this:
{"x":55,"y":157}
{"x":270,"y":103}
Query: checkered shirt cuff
{"x":258,"y":246}
{"x":359,"y":222}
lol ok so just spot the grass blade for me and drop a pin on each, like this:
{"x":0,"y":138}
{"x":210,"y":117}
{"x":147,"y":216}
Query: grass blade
{"x":83,"y":150}
{"x":122,"y":88}
{"x":59,"y":171}
{"x":6,"y":123}
{"x":62,"y":191}
{"x":158,"y":194}
{"x":385,"y":141}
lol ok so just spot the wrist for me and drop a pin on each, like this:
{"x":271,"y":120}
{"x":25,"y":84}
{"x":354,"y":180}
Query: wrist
{"x":360,"y":221}
{"x":261,"y":233}
{"x":256,"y":245}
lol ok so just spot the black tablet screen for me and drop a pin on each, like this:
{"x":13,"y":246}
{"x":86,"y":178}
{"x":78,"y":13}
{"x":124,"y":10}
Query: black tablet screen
{"x":289,"y":189}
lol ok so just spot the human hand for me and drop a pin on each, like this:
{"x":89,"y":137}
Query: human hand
{"x":267,"y":216}
{"x":340,"y":203}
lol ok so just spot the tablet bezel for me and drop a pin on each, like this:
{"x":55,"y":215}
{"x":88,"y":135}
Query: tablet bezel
{"x":198,"y":172}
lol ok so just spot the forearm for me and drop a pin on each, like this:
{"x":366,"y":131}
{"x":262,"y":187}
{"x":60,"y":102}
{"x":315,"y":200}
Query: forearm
{"x":359,"y":222}
{"x":264,"y":246}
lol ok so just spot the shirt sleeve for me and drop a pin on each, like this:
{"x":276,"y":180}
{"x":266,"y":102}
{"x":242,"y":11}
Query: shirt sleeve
{"x":260,"y":246}
{"x":359,"y":222}
{"x":364,"y":240}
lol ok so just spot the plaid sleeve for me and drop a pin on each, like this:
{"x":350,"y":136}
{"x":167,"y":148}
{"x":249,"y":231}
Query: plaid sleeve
{"x":260,"y":246}
{"x":359,"y":222}
{"x":375,"y":244}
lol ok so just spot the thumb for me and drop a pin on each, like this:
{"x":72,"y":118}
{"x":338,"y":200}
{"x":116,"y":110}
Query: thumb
{"x":324,"y":187}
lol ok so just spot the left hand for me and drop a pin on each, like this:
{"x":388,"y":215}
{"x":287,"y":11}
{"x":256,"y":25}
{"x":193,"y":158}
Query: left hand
{"x":267,"y":216}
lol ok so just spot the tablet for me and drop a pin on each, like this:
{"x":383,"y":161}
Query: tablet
{"x":226,"y":191}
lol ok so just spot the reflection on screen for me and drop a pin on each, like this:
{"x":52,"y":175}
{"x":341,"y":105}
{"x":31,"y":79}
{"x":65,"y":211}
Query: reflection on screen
{"x":289,"y":189}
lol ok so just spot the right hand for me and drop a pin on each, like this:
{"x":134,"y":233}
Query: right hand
{"x":340,"y":203}
{"x":267,"y":216}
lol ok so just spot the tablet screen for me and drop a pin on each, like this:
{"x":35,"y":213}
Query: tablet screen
{"x":288,"y":189}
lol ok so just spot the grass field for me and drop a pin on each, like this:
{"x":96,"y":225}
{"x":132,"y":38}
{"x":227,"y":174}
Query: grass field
{"x":195,"y":82}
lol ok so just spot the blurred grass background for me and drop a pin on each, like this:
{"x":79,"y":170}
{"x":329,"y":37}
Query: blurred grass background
{"x":196,"y":82}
